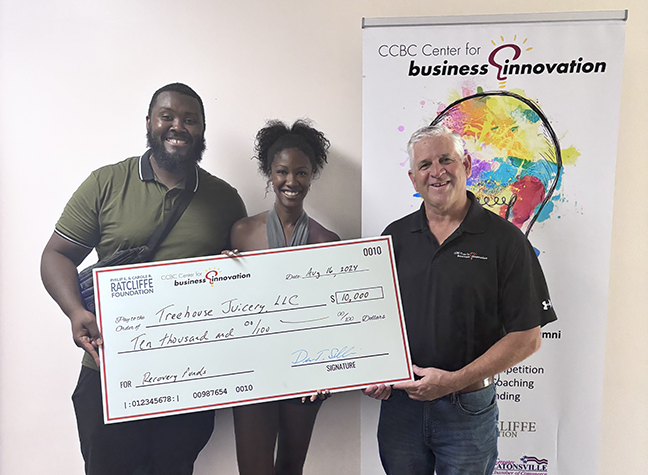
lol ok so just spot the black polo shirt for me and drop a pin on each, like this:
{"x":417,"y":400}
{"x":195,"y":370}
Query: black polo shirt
{"x":461,"y":297}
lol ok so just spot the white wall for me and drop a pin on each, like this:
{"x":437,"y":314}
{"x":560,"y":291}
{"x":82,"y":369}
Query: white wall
{"x":75,"y":80}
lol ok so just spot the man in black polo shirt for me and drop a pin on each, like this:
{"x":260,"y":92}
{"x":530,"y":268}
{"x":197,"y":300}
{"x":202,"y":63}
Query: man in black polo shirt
{"x":474,"y":298}
{"x":119,"y":207}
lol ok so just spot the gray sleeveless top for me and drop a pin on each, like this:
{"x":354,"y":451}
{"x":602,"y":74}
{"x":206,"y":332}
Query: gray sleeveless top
{"x":275,"y":232}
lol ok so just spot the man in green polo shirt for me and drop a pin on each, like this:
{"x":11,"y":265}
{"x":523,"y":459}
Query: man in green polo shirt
{"x":119,"y":207}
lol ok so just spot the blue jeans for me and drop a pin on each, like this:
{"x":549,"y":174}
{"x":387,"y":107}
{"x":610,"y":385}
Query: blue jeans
{"x":454,"y":435}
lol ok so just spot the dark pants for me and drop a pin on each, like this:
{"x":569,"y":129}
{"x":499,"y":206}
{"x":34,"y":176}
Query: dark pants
{"x":161,"y":446}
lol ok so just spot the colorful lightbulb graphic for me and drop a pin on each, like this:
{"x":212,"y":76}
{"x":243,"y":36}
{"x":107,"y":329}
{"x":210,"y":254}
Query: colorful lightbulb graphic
{"x":516,"y":155}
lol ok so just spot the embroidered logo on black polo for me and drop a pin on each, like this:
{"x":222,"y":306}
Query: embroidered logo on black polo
{"x":469,"y":255}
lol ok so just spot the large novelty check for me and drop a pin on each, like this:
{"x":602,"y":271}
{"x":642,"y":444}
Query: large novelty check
{"x":195,"y":334}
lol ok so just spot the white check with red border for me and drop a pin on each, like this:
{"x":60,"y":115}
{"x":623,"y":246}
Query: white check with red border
{"x":196,"y":334}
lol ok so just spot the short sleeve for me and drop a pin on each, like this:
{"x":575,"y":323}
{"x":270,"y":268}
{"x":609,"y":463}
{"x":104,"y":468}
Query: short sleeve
{"x":79,"y":222}
{"x":524,"y":295}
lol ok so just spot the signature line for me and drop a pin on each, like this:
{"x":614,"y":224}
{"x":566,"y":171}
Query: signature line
{"x":343,"y":359}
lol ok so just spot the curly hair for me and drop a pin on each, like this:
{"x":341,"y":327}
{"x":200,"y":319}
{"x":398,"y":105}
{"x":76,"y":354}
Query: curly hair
{"x":277,"y":136}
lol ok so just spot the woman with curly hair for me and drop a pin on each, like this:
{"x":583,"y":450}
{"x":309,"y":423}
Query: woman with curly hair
{"x":290,"y":158}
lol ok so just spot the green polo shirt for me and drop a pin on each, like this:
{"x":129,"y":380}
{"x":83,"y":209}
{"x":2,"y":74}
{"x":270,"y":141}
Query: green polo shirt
{"x":120,"y":206}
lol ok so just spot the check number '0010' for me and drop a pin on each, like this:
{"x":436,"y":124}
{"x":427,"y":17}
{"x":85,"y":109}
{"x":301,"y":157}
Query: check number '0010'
{"x":372,"y":251}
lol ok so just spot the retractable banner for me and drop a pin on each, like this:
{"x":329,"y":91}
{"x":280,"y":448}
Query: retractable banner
{"x":537,"y":101}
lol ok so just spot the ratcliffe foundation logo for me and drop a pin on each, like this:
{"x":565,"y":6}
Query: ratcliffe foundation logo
{"x":528,"y":465}
{"x":130,"y":286}
{"x":512,"y":429}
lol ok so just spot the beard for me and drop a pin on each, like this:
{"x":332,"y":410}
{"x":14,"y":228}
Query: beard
{"x":175,"y":162}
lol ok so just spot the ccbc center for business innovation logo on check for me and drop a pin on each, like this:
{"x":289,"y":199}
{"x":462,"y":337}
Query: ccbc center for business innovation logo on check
{"x":211,"y":277}
{"x":144,"y":284}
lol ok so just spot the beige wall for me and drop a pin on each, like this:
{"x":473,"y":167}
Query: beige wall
{"x":75,"y":80}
